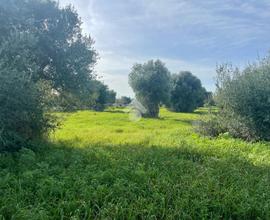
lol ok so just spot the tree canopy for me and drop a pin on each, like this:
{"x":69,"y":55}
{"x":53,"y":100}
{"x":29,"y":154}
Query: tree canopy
{"x":23,"y":102}
{"x":45,"y":61}
{"x":151,"y":83}
{"x":63,"y":55}
{"x":186,"y":93}
{"x":124,"y":100}
{"x":102,"y":96}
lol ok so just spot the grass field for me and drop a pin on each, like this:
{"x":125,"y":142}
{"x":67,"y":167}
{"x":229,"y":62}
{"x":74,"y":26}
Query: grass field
{"x":103,"y":166}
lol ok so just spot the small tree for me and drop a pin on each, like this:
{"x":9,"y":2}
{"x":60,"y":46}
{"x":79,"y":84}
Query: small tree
{"x":111,"y":97}
{"x":22,"y":112}
{"x":150,"y":82}
{"x":187,"y":92}
{"x":244,"y":100}
{"x":101,"y":96}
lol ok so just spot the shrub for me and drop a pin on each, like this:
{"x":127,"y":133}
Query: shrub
{"x":210,"y":125}
{"x":22,"y":112}
{"x":243,"y":98}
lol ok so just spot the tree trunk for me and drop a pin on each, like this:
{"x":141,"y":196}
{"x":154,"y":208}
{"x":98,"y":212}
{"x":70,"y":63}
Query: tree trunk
{"x":152,"y":111}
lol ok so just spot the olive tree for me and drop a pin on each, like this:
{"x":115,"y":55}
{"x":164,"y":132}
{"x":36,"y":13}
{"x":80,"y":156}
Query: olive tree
{"x":23,"y":115}
{"x":23,"y":101}
{"x":64,"y":57}
{"x":186,"y":93}
{"x":244,"y":99}
{"x":151,"y":84}
{"x":42,"y":51}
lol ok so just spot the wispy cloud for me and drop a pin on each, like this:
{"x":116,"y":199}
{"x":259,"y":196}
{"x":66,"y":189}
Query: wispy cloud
{"x":186,"y":34}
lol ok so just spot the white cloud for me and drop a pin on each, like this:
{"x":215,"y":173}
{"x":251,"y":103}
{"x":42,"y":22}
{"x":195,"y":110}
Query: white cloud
{"x":138,"y":30}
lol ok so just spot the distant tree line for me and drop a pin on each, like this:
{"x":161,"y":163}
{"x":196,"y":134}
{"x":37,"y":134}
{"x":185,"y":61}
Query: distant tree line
{"x":154,"y":86}
{"x":242,"y":97}
{"x":123,"y":101}
{"x":46,"y":63}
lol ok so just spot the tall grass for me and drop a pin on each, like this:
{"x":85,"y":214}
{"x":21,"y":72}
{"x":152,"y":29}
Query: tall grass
{"x":103,"y":166}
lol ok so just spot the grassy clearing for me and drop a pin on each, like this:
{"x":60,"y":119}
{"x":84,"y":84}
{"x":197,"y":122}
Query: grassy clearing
{"x":101,"y":165}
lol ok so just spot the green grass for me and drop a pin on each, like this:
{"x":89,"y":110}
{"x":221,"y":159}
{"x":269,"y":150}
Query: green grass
{"x":103,"y":166}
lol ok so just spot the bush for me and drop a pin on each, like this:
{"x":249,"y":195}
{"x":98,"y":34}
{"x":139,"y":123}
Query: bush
{"x":210,"y":125}
{"x":22,"y":112}
{"x":243,"y":98}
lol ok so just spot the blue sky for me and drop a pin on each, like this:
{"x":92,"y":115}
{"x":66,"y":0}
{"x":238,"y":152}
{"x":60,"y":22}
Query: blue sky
{"x":193,"y":35}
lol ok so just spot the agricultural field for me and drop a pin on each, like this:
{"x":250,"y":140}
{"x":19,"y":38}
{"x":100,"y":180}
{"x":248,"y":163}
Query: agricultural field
{"x":101,"y":165}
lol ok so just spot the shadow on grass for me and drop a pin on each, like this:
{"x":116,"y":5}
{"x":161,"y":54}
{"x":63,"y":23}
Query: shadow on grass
{"x":125,"y":181}
{"x":186,"y":121}
{"x":116,"y":111}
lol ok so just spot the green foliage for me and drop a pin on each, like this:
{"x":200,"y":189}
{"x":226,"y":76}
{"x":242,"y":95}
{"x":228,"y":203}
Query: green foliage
{"x":209,"y":100}
{"x":124,"y":100}
{"x":63,"y":56}
{"x":151,"y":84}
{"x":22,"y":113}
{"x":210,"y":125}
{"x":23,"y":100}
{"x":151,"y":169}
{"x":187,"y":93}
{"x":68,"y":102}
{"x":45,"y":63}
{"x":111,"y":97}
{"x":101,"y":96}
{"x":244,"y":100}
